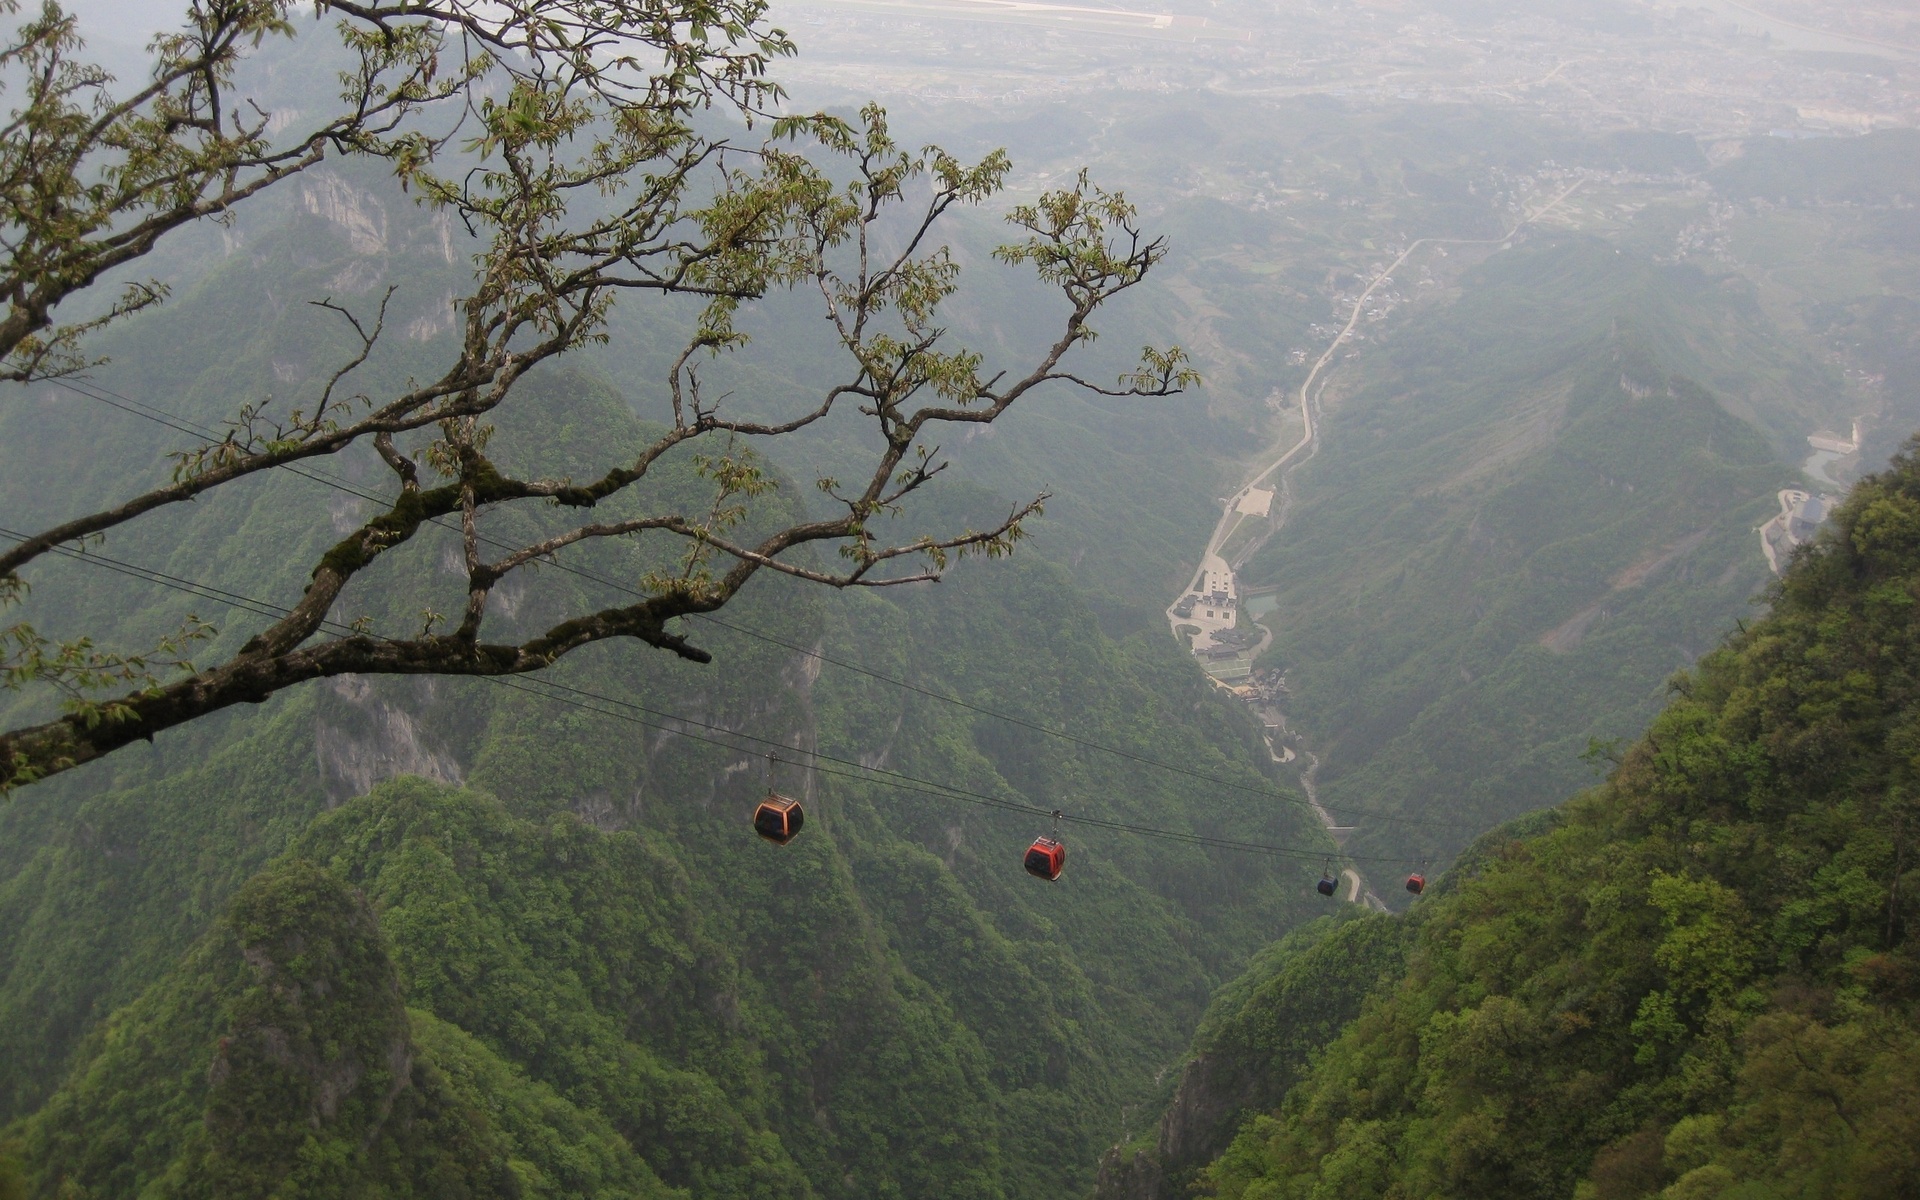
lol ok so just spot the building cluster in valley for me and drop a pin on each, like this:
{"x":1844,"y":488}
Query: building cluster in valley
{"x":1803,"y":511}
{"x":1209,"y":613}
{"x":1800,"y":516}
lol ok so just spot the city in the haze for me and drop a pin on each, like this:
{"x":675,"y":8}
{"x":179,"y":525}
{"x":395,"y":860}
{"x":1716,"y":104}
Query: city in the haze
{"x":1712,"y":69}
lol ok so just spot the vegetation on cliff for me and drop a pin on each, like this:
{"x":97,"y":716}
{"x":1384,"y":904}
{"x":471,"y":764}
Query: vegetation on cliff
{"x":1702,"y":981}
{"x":590,"y":940}
{"x":834,"y":1002}
{"x":851,"y":1015}
{"x":1255,"y":1041}
{"x":279,"y":1059}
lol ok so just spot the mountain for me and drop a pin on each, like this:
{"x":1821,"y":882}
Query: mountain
{"x":542,"y":938}
{"x":885,"y":1003}
{"x":387,"y":936}
{"x":1524,"y":516}
{"x":1699,"y":979}
{"x":1253,"y":1044}
{"x":319,"y":1081}
{"x":1541,"y":458}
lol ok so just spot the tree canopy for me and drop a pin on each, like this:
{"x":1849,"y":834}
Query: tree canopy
{"x":597,"y":152}
{"x":1700,"y":979}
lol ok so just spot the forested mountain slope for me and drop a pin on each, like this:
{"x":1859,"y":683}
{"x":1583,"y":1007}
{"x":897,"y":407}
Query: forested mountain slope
{"x":560,"y":956}
{"x":602,"y":922}
{"x":1541,"y":461}
{"x":1702,"y":980}
{"x":1252,"y":1046}
{"x":1525,"y":513}
{"x":555,"y":961}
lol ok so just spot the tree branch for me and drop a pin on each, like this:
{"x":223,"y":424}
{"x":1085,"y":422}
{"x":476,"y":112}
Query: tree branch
{"x":569,"y":124}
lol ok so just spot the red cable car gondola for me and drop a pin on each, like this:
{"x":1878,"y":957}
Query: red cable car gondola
{"x":1047,"y":857}
{"x":778,"y":818}
{"x":1417,"y":882}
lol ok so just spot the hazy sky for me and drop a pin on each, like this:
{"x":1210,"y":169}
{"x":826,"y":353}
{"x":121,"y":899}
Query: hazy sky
{"x":118,"y":30}
{"x":133,"y":19}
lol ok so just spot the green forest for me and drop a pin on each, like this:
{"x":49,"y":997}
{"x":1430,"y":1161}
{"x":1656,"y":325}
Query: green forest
{"x":1695,"y":980}
{"x":589,"y":923}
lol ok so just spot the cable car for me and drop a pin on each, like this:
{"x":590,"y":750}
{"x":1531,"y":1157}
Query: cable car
{"x":778,"y":819}
{"x":1416,"y":884}
{"x":1325,"y":886}
{"x":1046,"y":858}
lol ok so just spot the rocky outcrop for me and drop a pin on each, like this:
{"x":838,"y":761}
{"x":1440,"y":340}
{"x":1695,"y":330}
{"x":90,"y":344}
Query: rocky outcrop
{"x":1214,"y":1094}
{"x":364,"y":738}
{"x":318,"y":1036}
{"x":1253,"y":1044}
{"x":358,"y":213}
{"x":277,"y":1059}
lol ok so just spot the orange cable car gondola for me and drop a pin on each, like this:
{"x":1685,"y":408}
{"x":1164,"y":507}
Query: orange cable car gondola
{"x":1047,"y":857}
{"x":1417,"y":882}
{"x":778,"y":818}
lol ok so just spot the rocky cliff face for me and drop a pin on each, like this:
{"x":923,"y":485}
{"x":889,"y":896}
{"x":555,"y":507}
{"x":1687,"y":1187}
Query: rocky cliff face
{"x":1208,"y":1102}
{"x":364,"y":738}
{"x":1252,"y":1046}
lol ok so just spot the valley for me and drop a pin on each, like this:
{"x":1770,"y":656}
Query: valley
{"x":1515,"y":325}
{"x":1214,"y":591}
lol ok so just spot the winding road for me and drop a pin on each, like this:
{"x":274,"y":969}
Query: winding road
{"x":1230,"y":516}
{"x":1300,"y":452}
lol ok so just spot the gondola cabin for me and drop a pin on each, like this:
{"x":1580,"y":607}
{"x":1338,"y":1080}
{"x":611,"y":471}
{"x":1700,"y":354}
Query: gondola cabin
{"x":1325,"y":886}
{"x":778,"y":819}
{"x":1416,"y":884}
{"x":1046,"y":858}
